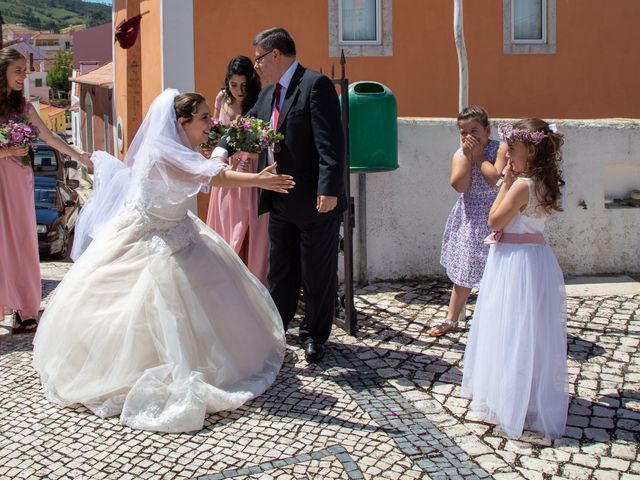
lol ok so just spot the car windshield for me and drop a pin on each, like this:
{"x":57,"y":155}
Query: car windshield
{"x":45,"y":160}
{"x":46,"y":197}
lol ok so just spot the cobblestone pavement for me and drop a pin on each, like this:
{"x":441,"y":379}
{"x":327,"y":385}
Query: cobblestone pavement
{"x":385,"y":404}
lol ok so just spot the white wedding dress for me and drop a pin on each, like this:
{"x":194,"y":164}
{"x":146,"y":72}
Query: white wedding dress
{"x":158,"y":321}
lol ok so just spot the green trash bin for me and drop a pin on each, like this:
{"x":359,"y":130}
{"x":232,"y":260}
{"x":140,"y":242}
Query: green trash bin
{"x":373,"y":128}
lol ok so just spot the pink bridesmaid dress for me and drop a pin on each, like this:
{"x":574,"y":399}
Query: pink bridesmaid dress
{"x":233,"y":214}
{"x":20,"y":288}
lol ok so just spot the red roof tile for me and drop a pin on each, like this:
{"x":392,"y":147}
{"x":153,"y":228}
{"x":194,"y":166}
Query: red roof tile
{"x":101,"y":77}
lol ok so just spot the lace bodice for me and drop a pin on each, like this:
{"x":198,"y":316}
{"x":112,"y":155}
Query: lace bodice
{"x":533,"y":217}
{"x":163,"y":224}
{"x":164,"y":229}
{"x":171,"y":213}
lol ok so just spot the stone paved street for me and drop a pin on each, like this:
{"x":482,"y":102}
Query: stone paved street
{"x":385,"y":404}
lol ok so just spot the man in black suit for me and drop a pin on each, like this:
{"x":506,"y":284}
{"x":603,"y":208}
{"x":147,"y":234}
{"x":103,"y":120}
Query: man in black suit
{"x":304,"y":223}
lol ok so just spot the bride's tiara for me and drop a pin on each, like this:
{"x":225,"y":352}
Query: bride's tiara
{"x":510,"y":134}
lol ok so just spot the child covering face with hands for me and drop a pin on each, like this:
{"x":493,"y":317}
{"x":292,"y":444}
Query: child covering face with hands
{"x":515,"y":362}
{"x":475,"y":169}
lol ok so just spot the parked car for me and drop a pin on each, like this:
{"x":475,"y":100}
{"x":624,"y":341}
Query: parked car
{"x":48,"y":162}
{"x":63,"y":136}
{"x":57,"y":209}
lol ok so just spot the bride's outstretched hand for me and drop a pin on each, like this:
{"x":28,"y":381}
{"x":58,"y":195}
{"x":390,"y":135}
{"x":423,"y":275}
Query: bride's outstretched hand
{"x":278,"y":183}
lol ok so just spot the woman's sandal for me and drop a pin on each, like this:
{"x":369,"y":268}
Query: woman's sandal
{"x":24,"y":326}
{"x":443,"y":327}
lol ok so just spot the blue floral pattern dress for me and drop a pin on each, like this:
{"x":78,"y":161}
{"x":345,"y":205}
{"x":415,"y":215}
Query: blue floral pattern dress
{"x":463,"y":251}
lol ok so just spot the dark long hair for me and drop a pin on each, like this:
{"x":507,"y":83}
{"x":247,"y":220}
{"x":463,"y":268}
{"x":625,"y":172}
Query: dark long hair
{"x":11,"y":101}
{"x":242,"y":65}
{"x":544,"y":167}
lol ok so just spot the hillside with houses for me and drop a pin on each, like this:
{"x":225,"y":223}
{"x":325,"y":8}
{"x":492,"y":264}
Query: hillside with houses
{"x":67,"y":48}
{"x":54,"y":15}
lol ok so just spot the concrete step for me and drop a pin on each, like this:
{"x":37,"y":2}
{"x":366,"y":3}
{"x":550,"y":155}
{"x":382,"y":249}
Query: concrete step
{"x":602,"y":286}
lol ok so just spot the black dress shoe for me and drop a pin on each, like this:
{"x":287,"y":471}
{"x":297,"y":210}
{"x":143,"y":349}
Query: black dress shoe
{"x":313,"y":352}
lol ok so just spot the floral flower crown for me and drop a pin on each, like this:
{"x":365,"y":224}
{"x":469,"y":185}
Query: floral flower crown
{"x":510,"y":134}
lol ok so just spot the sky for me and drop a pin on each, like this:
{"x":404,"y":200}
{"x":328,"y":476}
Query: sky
{"x":106,"y":2}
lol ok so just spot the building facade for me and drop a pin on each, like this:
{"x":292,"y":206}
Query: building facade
{"x":93,"y":44}
{"x":555,"y":59}
{"x":53,"y":117}
{"x":547,"y":58}
{"x":93,"y":124}
{"x":14,"y":33}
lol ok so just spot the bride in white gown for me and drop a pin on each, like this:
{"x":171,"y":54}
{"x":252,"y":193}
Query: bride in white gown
{"x":159,"y":321}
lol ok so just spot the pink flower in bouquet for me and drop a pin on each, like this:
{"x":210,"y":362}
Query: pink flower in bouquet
{"x":218,"y":129}
{"x":18,"y":134}
{"x":252,"y":135}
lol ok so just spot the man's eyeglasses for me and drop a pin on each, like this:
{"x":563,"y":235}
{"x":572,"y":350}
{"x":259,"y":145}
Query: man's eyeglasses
{"x":259,"y":58}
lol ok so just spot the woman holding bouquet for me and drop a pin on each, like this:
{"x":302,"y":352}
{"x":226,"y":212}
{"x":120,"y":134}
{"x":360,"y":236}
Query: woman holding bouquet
{"x":158,"y":321}
{"x":20,"y":288}
{"x":233,"y":211}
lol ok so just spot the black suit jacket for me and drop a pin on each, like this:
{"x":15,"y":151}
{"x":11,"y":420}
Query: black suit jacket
{"x":312,"y":151}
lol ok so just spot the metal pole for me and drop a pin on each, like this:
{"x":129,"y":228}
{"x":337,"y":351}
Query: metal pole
{"x":362,"y":228}
{"x":349,"y":322}
{"x":347,"y":220}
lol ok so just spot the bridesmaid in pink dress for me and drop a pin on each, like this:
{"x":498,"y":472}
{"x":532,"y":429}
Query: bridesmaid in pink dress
{"x":20,"y":288}
{"x":233,"y":211}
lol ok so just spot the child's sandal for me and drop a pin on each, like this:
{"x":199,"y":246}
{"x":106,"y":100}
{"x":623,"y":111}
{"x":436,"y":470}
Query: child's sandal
{"x":443,"y":327}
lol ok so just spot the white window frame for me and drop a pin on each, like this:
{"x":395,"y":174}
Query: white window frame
{"x":382,"y":47}
{"x":535,"y":46}
{"x":377,"y":41}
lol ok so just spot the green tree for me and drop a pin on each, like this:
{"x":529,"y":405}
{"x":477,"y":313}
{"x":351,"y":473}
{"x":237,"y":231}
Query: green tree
{"x":58,"y":76}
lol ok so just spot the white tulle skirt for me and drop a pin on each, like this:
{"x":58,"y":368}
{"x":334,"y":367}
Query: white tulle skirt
{"x":515,"y":362}
{"x":158,"y":322}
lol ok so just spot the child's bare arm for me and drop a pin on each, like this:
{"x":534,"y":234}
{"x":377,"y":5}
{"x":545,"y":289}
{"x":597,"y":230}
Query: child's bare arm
{"x":512,"y":197}
{"x":460,"y":172}
{"x":493,"y":171}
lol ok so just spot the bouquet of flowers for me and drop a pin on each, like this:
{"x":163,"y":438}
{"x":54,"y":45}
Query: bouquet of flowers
{"x":252,"y":135}
{"x":218,"y":129}
{"x":18,"y":134}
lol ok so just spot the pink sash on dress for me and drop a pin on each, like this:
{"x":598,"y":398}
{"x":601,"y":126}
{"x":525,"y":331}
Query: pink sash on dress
{"x":498,"y":236}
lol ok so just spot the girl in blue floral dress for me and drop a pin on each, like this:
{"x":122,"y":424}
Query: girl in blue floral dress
{"x":475,"y":169}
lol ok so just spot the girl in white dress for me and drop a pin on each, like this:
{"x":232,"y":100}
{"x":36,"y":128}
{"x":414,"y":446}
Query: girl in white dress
{"x":159,"y":321}
{"x":515,"y":362}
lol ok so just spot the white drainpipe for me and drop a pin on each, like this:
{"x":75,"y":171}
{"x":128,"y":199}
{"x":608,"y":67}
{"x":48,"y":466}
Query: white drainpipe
{"x":463,"y":72}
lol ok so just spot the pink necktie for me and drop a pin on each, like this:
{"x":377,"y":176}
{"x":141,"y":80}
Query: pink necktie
{"x":276,"y":106}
